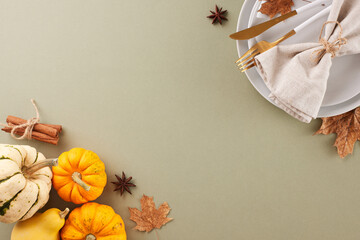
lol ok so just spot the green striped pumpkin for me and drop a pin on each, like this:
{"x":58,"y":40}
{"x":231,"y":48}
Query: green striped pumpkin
{"x":25,"y":182}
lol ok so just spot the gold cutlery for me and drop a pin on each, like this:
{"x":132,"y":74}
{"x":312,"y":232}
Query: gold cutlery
{"x":262,"y":27}
{"x":247,"y":60}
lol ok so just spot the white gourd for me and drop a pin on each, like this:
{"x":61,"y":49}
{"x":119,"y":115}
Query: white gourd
{"x":24,"y":188}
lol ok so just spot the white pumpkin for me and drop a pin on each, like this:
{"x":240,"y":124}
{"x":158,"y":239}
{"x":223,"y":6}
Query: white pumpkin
{"x":25,"y":182}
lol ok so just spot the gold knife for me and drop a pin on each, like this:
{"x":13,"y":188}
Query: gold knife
{"x":262,"y":27}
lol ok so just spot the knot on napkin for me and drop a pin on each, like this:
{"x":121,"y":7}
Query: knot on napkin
{"x":330,"y":47}
{"x":29,"y":125}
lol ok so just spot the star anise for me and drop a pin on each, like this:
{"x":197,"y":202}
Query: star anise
{"x":218,"y":15}
{"x":123,"y":184}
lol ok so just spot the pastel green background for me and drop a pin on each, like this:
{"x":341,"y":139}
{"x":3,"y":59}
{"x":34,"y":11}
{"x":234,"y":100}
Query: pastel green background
{"x":151,"y":86}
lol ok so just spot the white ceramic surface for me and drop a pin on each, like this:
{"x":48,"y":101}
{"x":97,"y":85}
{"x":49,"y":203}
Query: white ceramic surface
{"x":341,"y":96}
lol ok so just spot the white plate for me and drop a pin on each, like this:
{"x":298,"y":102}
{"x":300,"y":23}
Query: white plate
{"x":343,"y":88}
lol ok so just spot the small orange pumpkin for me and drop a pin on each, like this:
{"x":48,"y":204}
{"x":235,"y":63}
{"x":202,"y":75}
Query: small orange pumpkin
{"x":80,"y":176}
{"x":93,"y":221}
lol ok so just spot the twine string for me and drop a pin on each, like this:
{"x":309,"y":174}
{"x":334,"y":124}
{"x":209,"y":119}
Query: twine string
{"x":330,"y":47}
{"x":29,"y":125}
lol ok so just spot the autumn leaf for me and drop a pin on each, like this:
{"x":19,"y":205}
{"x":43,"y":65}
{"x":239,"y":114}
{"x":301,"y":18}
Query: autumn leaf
{"x":273,"y":7}
{"x":150,"y":217}
{"x":347,"y":128}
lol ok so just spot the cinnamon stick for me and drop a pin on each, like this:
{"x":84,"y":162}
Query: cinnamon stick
{"x":48,"y":129}
{"x":57,"y":127}
{"x":35,"y":135}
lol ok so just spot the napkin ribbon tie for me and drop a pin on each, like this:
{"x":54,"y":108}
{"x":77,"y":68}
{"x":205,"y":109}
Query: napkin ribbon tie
{"x":330,"y":47}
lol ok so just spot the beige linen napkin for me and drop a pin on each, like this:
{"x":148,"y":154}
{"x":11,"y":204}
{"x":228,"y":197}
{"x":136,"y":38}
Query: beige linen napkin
{"x":296,"y":80}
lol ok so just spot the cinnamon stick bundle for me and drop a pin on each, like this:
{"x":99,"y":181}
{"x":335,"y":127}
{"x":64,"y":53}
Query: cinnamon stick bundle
{"x":43,"y":132}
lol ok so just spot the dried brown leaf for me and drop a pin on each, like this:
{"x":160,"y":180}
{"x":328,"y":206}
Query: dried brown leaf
{"x":347,"y":128}
{"x":273,"y":7}
{"x":150,"y":217}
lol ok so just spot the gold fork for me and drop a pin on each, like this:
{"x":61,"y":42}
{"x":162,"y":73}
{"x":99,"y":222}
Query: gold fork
{"x":260,"y":47}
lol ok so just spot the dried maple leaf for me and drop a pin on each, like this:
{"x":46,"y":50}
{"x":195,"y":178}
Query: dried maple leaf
{"x":273,"y":7}
{"x":347,"y":128}
{"x":150,"y":217}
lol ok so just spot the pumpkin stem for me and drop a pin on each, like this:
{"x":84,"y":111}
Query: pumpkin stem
{"x":76,"y":177}
{"x":64,"y":213}
{"x":37,"y":166}
{"x":90,"y":237}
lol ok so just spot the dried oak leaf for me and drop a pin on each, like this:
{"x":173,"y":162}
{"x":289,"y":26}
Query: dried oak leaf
{"x":273,"y":7}
{"x":150,"y":217}
{"x":347,"y":128}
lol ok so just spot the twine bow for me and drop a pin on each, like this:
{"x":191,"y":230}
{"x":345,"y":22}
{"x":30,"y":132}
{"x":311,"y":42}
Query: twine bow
{"x":330,"y":47}
{"x":29,"y":125}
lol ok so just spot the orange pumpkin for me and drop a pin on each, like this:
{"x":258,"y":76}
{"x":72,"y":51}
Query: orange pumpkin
{"x":93,"y":221}
{"x":80,"y":176}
